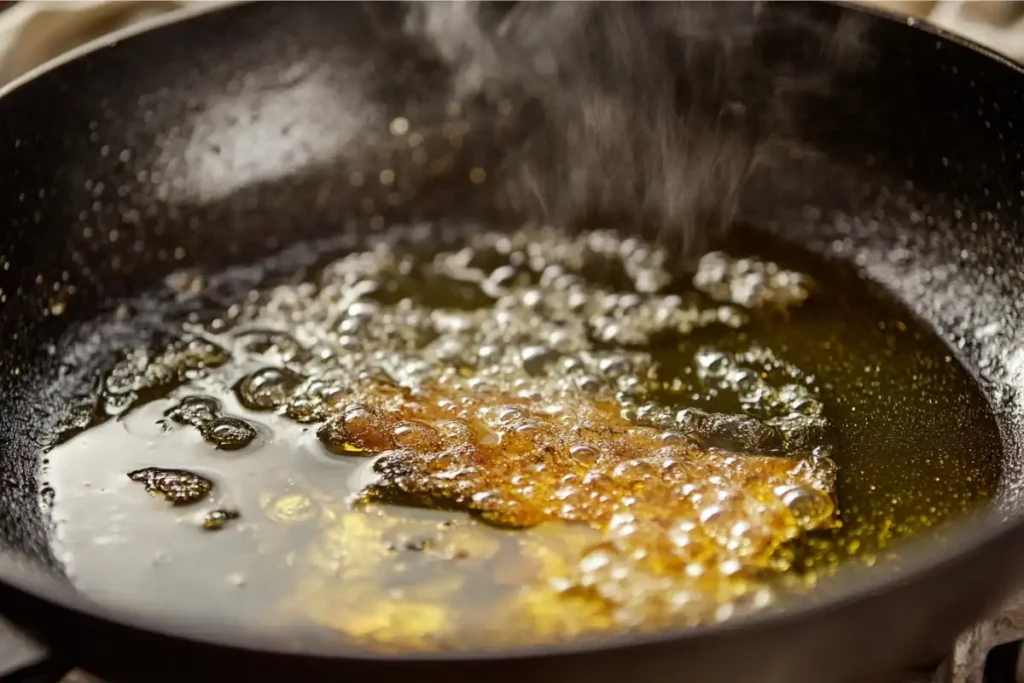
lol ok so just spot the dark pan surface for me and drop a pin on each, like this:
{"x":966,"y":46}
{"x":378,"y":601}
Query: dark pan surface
{"x":123,"y":165}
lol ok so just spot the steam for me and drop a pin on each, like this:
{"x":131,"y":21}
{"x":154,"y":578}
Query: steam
{"x":650,"y":113}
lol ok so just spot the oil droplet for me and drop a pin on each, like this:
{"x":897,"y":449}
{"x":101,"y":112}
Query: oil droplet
{"x":267,"y":388}
{"x":417,"y":436}
{"x":228,"y":433}
{"x":195,"y":411}
{"x":357,"y":430}
{"x":215,"y":520}
{"x":585,"y":453}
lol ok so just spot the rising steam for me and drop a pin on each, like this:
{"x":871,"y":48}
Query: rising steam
{"x":651,"y":113}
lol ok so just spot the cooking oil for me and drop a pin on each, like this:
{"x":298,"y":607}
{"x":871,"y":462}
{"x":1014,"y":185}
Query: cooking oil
{"x":470,"y":438}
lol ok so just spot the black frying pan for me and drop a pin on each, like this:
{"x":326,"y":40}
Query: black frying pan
{"x":911,"y":170}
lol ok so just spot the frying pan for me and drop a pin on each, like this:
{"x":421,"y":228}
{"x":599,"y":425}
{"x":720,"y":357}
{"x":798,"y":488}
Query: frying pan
{"x":218,"y":138}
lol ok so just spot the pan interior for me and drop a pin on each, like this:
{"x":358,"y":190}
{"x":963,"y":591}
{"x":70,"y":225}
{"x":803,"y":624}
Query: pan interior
{"x":926,"y":204}
{"x":912,"y":437}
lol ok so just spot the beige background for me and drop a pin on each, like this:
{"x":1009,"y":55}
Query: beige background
{"x":32,"y":33}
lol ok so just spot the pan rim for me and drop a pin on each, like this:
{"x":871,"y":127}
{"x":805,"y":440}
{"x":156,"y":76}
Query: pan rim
{"x":114,"y":37}
{"x":970,"y":536}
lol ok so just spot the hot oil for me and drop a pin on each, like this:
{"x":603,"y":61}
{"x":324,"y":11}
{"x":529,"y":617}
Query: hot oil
{"x":462,"y":439}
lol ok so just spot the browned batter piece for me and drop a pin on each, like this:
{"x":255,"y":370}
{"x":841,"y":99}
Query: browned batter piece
{"x":519,"y":463}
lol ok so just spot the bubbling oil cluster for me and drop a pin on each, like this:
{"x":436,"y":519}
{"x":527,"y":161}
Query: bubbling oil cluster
{"x":529,"y":379}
